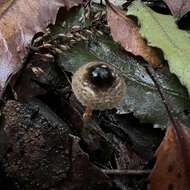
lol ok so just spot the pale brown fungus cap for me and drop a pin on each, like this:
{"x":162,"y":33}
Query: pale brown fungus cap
{"x":98,"y":85}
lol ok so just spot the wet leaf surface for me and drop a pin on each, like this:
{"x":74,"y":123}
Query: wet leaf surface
{"x":142,"y":97}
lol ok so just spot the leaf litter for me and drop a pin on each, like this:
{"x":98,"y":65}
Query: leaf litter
{"x":119,"y":135}
{"x":147,"y":106}
{"x":126,"y":32}
{"x":174,"y":43}
{"x":172,"y":169}
{"x":178,"y":7}
{"x":19,"y":21}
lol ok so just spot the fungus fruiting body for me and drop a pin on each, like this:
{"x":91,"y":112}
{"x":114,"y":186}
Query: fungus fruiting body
{"x":98,"y":86}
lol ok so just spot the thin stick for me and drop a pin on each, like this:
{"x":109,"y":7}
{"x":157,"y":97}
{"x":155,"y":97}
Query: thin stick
{"x":126,"y":172}
{"x":175,"y":124}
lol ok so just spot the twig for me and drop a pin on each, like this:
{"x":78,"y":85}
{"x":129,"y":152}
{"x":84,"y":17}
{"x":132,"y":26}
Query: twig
{"x":175,"y":124}
{"x":126,"y":172}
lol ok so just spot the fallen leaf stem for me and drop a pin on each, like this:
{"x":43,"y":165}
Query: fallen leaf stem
{"x":126,"y":172}
{"x":165,"y":102}
{"x":179,"y":134}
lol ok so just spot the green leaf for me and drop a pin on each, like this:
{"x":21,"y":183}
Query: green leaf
{"x":161,"y":31}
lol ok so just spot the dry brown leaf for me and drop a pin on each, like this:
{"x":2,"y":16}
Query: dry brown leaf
{"x":126,"y":33}
{"x":172,"y":168}
{"x":178,"y":7}
{"x":19,"y":21}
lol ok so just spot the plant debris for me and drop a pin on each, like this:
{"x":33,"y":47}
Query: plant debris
{"x":140,"y":143}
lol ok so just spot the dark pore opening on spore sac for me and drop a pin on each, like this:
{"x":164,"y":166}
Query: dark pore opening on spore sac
{"x":101,"y":76}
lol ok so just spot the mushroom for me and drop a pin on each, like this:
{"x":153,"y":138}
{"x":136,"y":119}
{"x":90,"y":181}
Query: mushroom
{"x":98,"y":86}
